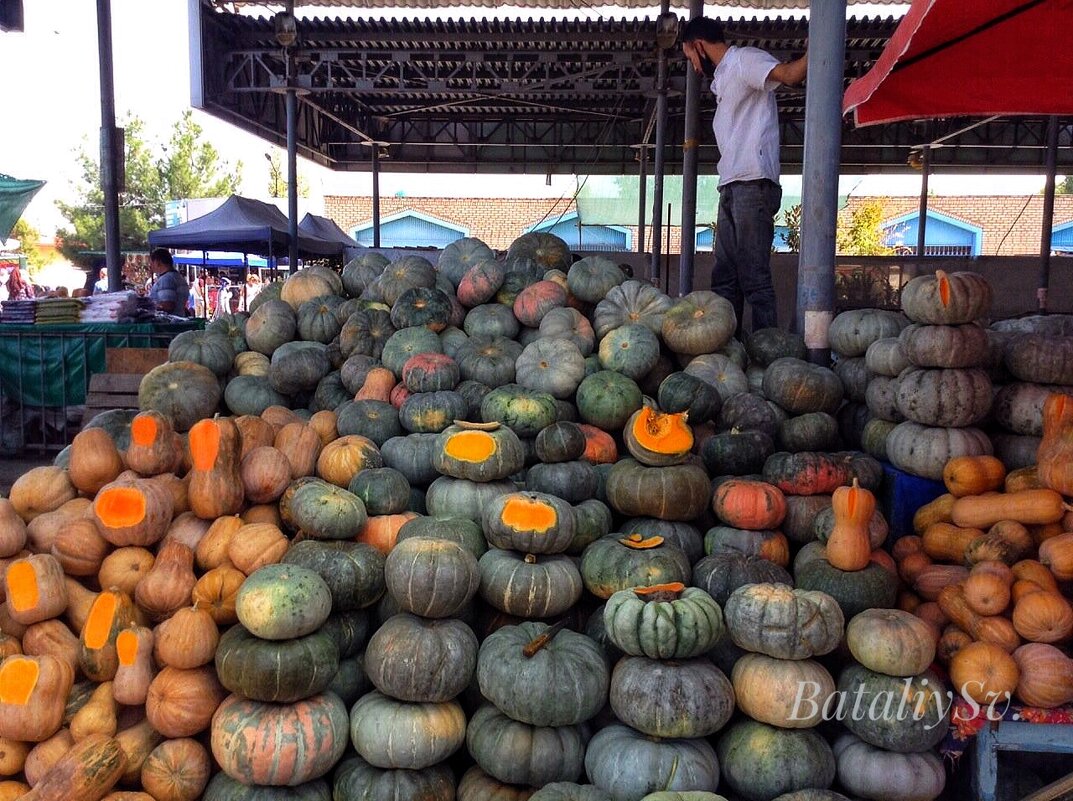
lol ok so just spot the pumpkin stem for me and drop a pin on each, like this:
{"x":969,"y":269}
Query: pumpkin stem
{"x":530,"y":649}
{"x":530,"y":559}
{"x":660,"y":592}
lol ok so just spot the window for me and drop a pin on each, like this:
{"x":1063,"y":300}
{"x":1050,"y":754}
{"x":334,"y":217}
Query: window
{"x":943,"y":236}
{"x":587,"y":237}
{"x":410,"y":229}
{"x":705,"y":240}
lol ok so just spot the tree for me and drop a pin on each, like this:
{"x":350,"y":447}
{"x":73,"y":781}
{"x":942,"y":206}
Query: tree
{"x":1065,"y":187}
{"x":277,"y":181}
{"x":192,"y":167}
{"x":28,"y":237}
{"x":860,"y":232}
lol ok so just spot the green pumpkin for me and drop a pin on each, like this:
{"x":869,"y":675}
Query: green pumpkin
{"x":591,"y":278}
{"x":318,"y":320}
{"x":727,"y":539}
{"x":686,"y":795}
{"x":223,"y":788}
{"x":461,"y":255}
{"x":559,"y":681}
{"x":517,"y":753}
{"x":629,"y":303}
{"x":890,"y":727}
{"x":426,"y":661}
{"x":722,"y":573}
{"x":360,"y":271}
{"x":554,"y":366}
{"x":872,"y":588}
{"x":421,"y":306}
{"x":569,"y":791}
{"x":408,"y":342}
{"x":431,"y":412}
{"x":366,"y":332}
{"x":678,"y":492}
{"x":487,"y":452}
{"x":812,"y":795}
{"x":618,"y":562}
{"x":813,"y":431}
{"x":681,"y":535}
{"x":278,"y":671}
{"x":353,"y":571}
{"x":283,"y":601}
{"x":453,"y":339}
{"x":397,"y":734}
{"x":183,"y":392}
{"x":629,"y":764}
{"x":750,"y":412}
{"x":680,"y":698}
{"x":700,"y":322}
{"x":721,"y":373}
{"x":569,"y":324}
{"x":116,"y":423}
{"x":607,"y":399}
{"x":783,"y":622}
{"x":357,"y":780}
{"x":466,"y":533}
{"x":270,"y":291}
{"x":530,"y":522}
{"x":488,"y":359}
{"x":348,"y":630}
{"x":668,"y":621}
{"x":768,"y":344}
{"x":592,"y":520}
{"x":523,"y":410}
{"x":520,"y":275}
{"x":491,"y":320}
{"x":736,"y":453}
{"x":372,"y":419}
{"x":272,"y":324}
{"x":632,"y":350}
{"x":279,"y":744}
{"x":481,"y":281}
{"x":760,"y":761}
{"x":800,"y":387}
{"x":457,"y":497}
{"x":412,"y":456}
{"x":574,"y":482}
{"x":431,"y":577}
{"x":560,"y":442}
{"x":383,"y":490}
{"x":682,"y":392}
{"x":251,"y":394}
{"x":354,"y":372}
{"x":350,"y":682}
{"x":331,"y":393}
{"x":322,"y":510}
{"x":404,"y":273}
{"x":209,"y":348}
{"x":529,"y":586}
{"x":430,"y":372}
{"x":806,"y":473}
{"x":298,"y":367}
{"x":233,"y":327}
{"x":548,"y":251}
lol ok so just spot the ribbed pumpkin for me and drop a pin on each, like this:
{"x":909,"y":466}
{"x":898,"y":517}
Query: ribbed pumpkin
{"x":985,"y":673}
{"x":420,"y":660}
{"x":183,"y":392}
{"x":1045,"y":676}
{"x":761,"y":761}
{"x":749,"y":504}
{"x":529,"y":522}
{"x":924,"y":693}
{"x":683,"y":698}
{"x":357,"y":780}
{"x":181,"y":703}
{"x":629,"y":764}
{"x":478,"y":452}
{"x":657,"y":439}
{"x":946,"y":299}
{"x":554,"y":366}
{"x":700,"y":322}
{"x":617,"y":562}
{"x":431,"y":577}
{"x":783,"y":622}
{"x":676,"y":492}
{"x":636,"y":621}
{"x":395,"y":734}
{"x":516,"y":752}
{"x":800,"y":387}
{"x":527,"y":585}
{"x":891,"y":641}
{"x":277,"y":671}
{"x":773,"y":690}
{"x":870,"y":772}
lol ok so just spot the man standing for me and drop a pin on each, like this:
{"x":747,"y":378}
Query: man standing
{"x":746,"y":126}
{"x":101,"y":285}
{"x":170,"y":290}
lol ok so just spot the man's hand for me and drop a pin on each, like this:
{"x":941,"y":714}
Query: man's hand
{"x":693,"y":52}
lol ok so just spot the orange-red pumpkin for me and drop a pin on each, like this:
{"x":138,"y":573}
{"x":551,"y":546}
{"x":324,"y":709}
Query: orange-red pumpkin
{"x":1054,"y":459}
{"x":747,"y":504}
{"x":984,"y":672}
{"x":181,"y":703}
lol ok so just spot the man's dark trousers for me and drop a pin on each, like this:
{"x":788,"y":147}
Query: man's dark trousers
{"x":744,"y":233}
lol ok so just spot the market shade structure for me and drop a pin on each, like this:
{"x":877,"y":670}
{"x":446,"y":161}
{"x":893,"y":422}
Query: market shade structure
{"x":326,"y":229}
{"x":15,"y":196}
{"x":242,"y":225}
{"x":951,"y":58}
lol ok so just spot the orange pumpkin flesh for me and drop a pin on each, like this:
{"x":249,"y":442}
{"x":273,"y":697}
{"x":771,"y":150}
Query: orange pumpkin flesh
{"x":528,"y":514}
{"x":639,"y":543}
{"x":18,"y":680}
{"x":662,"y":434}
{"x":23,"y":592}
{"x":944,"y":287}
{"x":143,"y":430}
{"x":471,"y":446}
{"x":126,"y":645}
{"x":100,"y":621}
{"x":204,"y":444}
{"x":660,"y":592}
{"x":120,"y":507}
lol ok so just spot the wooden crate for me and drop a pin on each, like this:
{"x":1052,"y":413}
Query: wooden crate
{"x":132,"y":361}
{"x":111,"y":391}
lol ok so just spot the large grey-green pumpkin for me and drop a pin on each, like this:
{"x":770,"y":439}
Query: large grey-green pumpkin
{"x":525,"y":411}
{"x":554,"y":366}
{"x":681,"y":535}
{"x":664,"y":622}
{"x":416,"y":659}
{"x":529,"y":586}
{"x":924,"y":451}
{"x":318,"y":320}
{"x":852,"y":332}
{"x":947,"y":299}
{"x":518,"y":753}
{"x":677,"y":492}
{"x":431,"y":577}
{"x":457,"y":497}
{"x":357,"y":780}
{"x":223,"y":788}
{"x":322,"y":510}
{"x":629,"y":764}
{"x":591,"y":278}
{"x":945,"y":345}
{"x":606,"y":399}
{"x":720,"y":372}
{"x":618,"y":562}
{"x":700,"y":322}
{"x":408,"y":342}
{"x":389,"y":733}
{"x":251,"y":394}
{"x":760,"y":761}
{"x":679,"y":698}
{"x":353,"y":571}
{"x":886,"y":357}
{"x":412,"y":456}
{"x":299,"y":367}
{"x":569,"y":324}
{"x":721,"y":573}
{"x":466,"y":533}
{"x":870,"y":772}
{"x":800,"y":387}
{"x":944,"y":398}
{"x":1041,"y":359}
{"x":630,"y":349}
{"x":543,"y":676}
{"x":183,"y":392}
{"x":885,"y":699}
{"x":881,"y":398}
{"x":210,"y":348}
{"x":278,"y":671}
{"x":374,"y":419}
{"x":854,"y":375}
{"x":570,"y":791}
{"x":632,"y":302}
{"x":488,"y":359}
{"x":272,"y":324}
{"x":530,"y":522}
{"x":783,"y":622}
{"x":1018,"y":407}
{"x":432,"y":412}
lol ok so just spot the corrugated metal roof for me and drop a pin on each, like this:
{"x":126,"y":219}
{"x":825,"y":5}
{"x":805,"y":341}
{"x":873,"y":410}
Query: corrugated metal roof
{"x":546,"y":4}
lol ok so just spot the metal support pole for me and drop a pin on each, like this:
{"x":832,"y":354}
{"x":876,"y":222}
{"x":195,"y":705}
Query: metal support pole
{"x":642,"y":194}
{"x":292,"y":178}
{"x":376,"y":195}
{"x":819,"y":201}
{"x":661,"y":145}
{"x":1048,"y":216}
{"x":110,"y":154}
{"x":922,"y":215}
{"x":689,"y":170}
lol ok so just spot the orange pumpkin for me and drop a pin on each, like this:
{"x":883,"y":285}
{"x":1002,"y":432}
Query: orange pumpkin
{"x":181,"y":703}
{"x":324,"y":423}
{"x":134,"y":649}
{"x":600,"y":447}
{"x":12,"y":756}
{"x":999,"y":631}
{"x":35,"y":589}
{"x":1032,"y":570}
{"x":848,"y":546}
{"x":301,"y":445}
{"x":930,"y":612}
{"x":1000,"y":569}
{"x":154,"y":446}
{"x":904,"y":546}
{"x":111,"y":613}
{"x":177,"y":770}
{"x":215,"y":483}
{"x":40,"y":490}
{"x":11,"y":789}
{"x":1045,"y":531}
{"x":952,"y":641}
{"x":33,"y":696}
{"x":948,"y":543}
{"x":187,"y":639}
{"x":94,"y":460}
{"x":256,"y":545}
{"x":263,"y":513}
{"x":79,"y":547}
{"x":381,"y":531}
{"x":167,"y":586}
{"x":747,"y":504}
{"x":1044,"y":617}
{"x":254,"y":432}
{"x":1046,"y":676}
{"x":215,"y":592}
{"x":12,"y":530}
{"x":987,"y":593}
{"x":1054,"y":459}
{"x":133,"y":512}
{"x":937,"y":511}
{"x":984,"y":672}
{"x":1057,"y":555}
{"x":341,"y":459}
{"x":973,"y":475}
{"x":212,"y":549}
{"x":266,"y":473}
{"x":123,"y":568}
{"x":377,"y":385}
{"x":1023,"y":478}
{"x":912,"y":565}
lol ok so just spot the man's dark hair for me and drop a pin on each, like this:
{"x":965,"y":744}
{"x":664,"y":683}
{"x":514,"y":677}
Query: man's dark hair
{"x":162,"y":256}
{"x":703,"y":29}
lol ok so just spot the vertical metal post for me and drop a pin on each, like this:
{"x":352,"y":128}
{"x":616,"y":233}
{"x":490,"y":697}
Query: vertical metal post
{"x":292,"y":177}
{"x":819,"y":201}
{"x":1048,"y":216}
{"x":642,"y":194}
{"x":922,"y":214}
{"x":689,"y":170}
{"x":109,"y":149}
{"x":376,"y":194}
{"x":661,"y":146}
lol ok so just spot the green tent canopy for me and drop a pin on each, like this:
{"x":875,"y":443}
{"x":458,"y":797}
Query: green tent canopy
{"x":15,"y":196}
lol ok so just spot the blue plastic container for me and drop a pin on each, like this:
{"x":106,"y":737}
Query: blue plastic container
{"x":901,"y":495}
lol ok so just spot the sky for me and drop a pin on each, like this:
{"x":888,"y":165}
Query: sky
{"x":53,"y":106}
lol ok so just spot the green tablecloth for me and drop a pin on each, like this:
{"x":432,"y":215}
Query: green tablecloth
{"x":50,"y":365}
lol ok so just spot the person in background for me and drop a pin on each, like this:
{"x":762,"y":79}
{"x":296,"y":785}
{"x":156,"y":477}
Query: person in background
{"x":101,"y":285}
{"x":13,"y":286}
{"x":253,"y":287}
{"x":746,"y":126}
{"x":170,"y":290}
{"x":223,"y":299}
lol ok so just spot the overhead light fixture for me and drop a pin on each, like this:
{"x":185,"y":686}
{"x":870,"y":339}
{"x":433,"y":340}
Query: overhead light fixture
{"x":667,"y":30}
{"x":286,"y":28}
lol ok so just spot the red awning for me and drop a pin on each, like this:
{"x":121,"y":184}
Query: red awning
{"x":952,"y":58}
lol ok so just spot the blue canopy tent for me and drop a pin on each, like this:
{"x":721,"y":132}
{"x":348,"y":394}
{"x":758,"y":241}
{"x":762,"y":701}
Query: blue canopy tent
{"x":326,"y":229}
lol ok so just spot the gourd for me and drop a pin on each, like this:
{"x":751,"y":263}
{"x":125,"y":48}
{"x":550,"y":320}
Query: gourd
{"x":211,"y":551}
{"x":987,"y":593}
{"x":1055,"y":455}
{"x":167,"y":586}
{"x":216,"y":487}
{"x":1046,"y":676}
{"x":848,"y":546}
{"x":1027,"y":507}
{"x":973,"y":475}
{"x":187,"y":639}
{"x":215,"y":592}
{"x":44,"y":755}
{"x":97,"y":716}
{"x":154,"y":447}
{"x":12,"y":530}
{"x":749,"y":504}
{"x":255,"y":545}
{"x":35,"y":589}
{"x":936,"y":511}
{"x":181,"y":703}
{"x":984,"y":672}
{"x":111,"y":613}
{"x":94,"y":460}
{"x":33,"y":694}
{"x":87,"y":772}
{"x":135,"y":671}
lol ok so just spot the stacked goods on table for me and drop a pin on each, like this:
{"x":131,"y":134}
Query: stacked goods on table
{"x":436,"y":561}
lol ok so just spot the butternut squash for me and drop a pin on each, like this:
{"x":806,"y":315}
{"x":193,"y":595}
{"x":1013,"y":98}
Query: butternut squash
{"x":167,"y":587}
{"x":112,"y":612}
{"x":948,"y":543}
{"x":937,"y":511}
{"x":12,"y":756}
{"x":137,"y":743}
{"x":134,"y":648}
{"x":973,"y":475}
{"x":45,"y":754}
{"x":215,"y":484}
{"x":87,"y":772}
{"x":33,"y":696}
{"x":54,"y":638}
{"x":98,"y":716}
{"x":1023,"y":478}
{"x":1057,"y":555}
{"x":848,"y":546}
{"x":1032,"y":570}
{"x":35,"y":589}
{"x":1027,"y":506}
{"x":932,"y":579}
{"x":12,"y":530}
